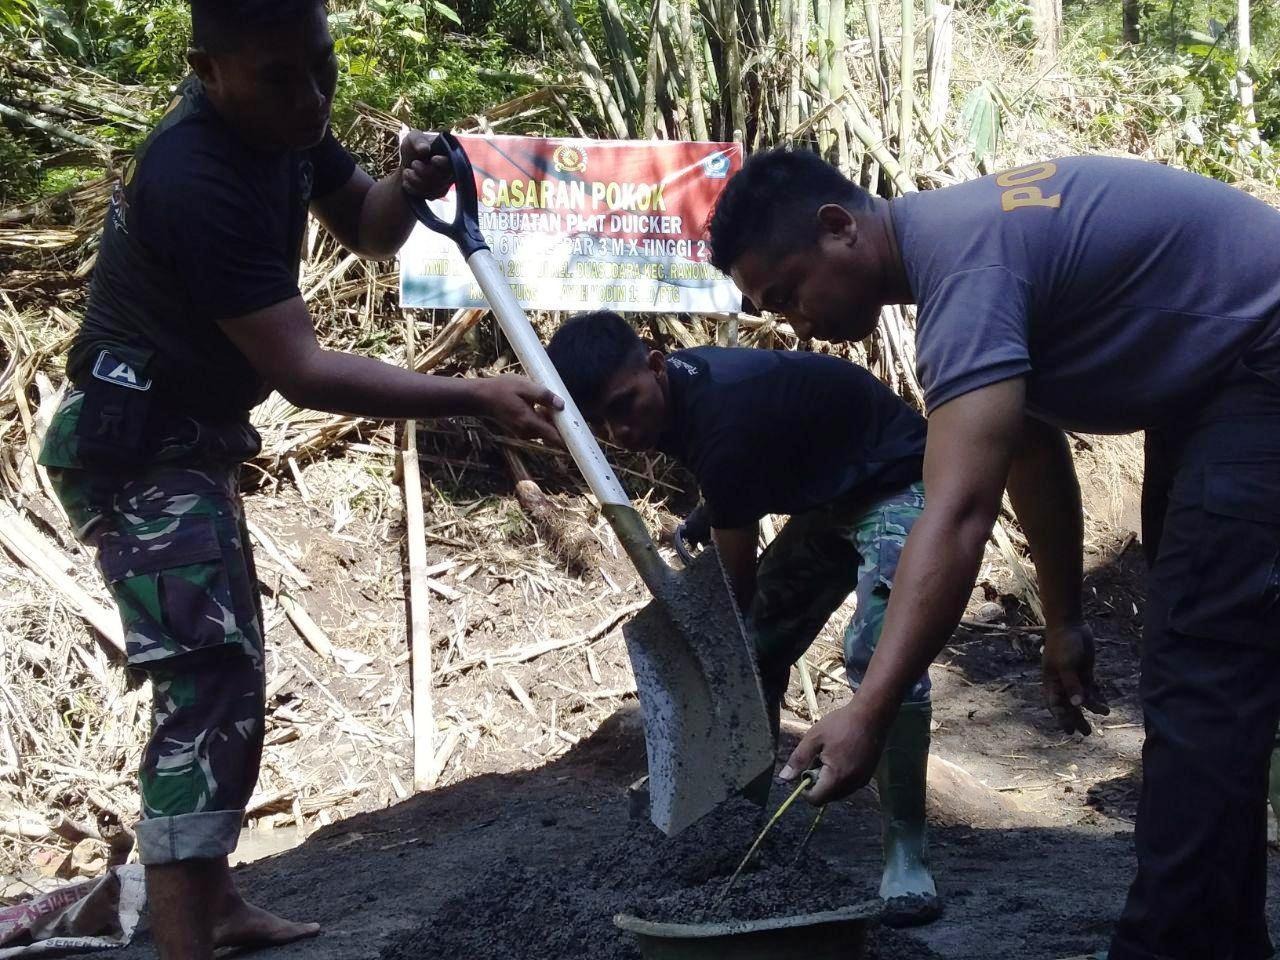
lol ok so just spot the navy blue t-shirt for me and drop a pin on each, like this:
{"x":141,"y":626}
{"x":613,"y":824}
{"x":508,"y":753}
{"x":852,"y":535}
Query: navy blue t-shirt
{"x":1125,"y":292}
{"x":775,"y":431}
{"x":205,"y":228}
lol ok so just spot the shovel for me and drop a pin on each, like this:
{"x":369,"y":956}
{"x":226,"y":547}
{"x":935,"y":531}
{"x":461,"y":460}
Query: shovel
{"x":706,"y":730}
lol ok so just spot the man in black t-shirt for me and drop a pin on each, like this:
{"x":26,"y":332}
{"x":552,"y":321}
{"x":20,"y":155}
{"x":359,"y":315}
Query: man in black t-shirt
{"x":194,"y":315}
{"x":824,"y":442}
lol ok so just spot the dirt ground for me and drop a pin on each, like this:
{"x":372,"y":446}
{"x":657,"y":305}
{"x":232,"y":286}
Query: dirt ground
{"x":1034,"y":861}
{"x":527,"y":849}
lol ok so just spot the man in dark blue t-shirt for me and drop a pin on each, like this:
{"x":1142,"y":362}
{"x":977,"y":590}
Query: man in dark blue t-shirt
{"x":823,"y":442}
{"x":1101,"y":295}
{"x":194,"y":315}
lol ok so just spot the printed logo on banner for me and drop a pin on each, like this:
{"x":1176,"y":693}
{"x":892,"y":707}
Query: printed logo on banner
{"x":569,"y":159}
{"x":716,"y":166}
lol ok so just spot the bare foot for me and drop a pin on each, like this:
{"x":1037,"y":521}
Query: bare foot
{"x":248,"y":926}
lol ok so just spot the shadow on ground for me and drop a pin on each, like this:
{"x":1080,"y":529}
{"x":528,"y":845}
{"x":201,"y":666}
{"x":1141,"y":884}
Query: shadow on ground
{"x":516,"y":858}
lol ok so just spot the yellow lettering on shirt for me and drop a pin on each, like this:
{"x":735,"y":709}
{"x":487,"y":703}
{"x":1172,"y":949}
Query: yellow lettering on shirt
{"x":1020,"y":194}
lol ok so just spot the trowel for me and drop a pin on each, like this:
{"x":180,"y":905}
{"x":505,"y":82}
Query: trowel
{"x":706,"y":729}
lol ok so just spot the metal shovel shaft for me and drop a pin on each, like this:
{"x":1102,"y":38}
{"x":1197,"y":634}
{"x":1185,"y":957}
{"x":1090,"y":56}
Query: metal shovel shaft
{"x":706,"y":732}
{"x":581,"y":442}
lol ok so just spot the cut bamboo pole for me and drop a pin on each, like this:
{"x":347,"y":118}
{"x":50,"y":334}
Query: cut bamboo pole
{"x":425,"y":772}
{"x":47,"y":561}
{"x":45,"y":126}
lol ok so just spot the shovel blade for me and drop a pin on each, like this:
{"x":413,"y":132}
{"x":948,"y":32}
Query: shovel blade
{"x":705,"y":726}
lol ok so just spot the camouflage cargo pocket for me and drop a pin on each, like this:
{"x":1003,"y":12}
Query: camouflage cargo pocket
{"x":169,"y":578}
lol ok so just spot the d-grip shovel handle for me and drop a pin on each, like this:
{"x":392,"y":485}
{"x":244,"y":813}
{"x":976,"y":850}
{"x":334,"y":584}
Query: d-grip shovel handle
{"x":464,"y":230}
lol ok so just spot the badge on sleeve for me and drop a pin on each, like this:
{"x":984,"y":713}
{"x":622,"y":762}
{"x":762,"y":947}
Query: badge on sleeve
{"x":115,"y":371}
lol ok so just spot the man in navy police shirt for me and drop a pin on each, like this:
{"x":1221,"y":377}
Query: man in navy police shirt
{"x":1093,"y":294}
{"x":822,"y":441}
{"x":194,"y":315}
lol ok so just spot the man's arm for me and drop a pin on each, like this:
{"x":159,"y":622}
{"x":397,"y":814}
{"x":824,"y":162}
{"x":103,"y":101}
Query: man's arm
{"x":737,"y":547}
{"x":970,"y":445}
{"x":1046,"y":498}
{"x":371,"y":218}
{"x":280,"y":343}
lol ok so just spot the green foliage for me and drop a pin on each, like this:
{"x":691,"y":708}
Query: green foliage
{"x":57,"y":179}
{"x":20,"y":181}
{"x":1175,"y":94}
{"x":1014,"y":19}
{"x":400,"y":57}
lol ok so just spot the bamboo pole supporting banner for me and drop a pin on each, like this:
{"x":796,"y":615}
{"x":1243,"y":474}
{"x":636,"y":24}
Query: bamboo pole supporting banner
{"x":425,"y":772}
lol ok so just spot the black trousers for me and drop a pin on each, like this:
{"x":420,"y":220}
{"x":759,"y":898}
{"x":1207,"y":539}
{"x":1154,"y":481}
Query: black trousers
{"x":1210,"y":684}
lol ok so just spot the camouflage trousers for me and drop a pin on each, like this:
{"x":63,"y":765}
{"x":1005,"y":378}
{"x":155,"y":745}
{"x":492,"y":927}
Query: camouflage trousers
{"x":809,"y":570}
{"x":174,"y":550}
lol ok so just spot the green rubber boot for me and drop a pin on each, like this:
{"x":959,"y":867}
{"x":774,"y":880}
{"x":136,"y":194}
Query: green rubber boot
{"x":907,"y":888}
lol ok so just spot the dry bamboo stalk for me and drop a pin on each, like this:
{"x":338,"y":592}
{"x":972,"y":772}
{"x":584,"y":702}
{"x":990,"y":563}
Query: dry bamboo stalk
{"x":806,"y":683}
{"x":560,"y":16}
{"x":310,"y":631}
{"x":521,"y":696}
{"x":693,"y":77}
{"x":879,"y":64}
{"x":34,"y":552}
{"x":622,"y":61}
{"x":1026,"y":583}
{"x":532,"y":652}
{"x":576,"y":548}
{"x":940,"y":49}
{"x":907,"y":80}
{"x":425,"y":772}
{"x":276,"y":554}
{"x":44,"y":126}
{"x":875,"y":145}
{"x":445,"y":751}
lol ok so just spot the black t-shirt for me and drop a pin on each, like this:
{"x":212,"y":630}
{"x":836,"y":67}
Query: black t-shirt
{"x":773,"y":431}
{"x":204,"y":228}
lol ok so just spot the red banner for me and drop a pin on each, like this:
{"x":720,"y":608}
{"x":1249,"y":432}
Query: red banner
{"x":585,"y":224}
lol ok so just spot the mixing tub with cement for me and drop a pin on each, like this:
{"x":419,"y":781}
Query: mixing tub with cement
{"x":830,"y":935}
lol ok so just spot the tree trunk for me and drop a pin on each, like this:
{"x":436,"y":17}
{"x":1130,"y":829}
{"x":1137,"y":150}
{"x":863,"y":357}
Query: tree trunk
{"x":1132,"y":12}
{"x":1046,"y":15}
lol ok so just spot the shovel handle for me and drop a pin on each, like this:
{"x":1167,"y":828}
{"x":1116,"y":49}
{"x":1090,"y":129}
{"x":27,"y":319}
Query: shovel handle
{"x":464,"y":230}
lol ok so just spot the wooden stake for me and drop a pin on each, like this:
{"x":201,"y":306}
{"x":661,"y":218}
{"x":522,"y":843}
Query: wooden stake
{"x":425,"y":771}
